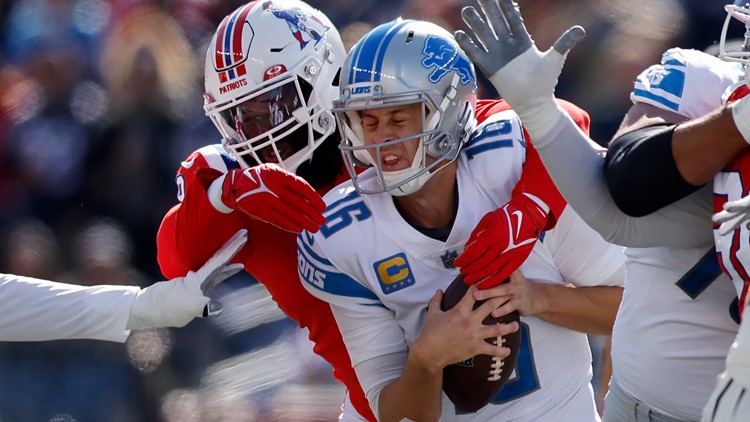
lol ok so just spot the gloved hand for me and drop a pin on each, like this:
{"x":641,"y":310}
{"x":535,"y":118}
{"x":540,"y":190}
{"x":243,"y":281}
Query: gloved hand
{"x":524,"y":76}
{"x":734,"y":213}
{"x":502,"y":241}
{"x":176,"y":302}
{"x":269,"y":193}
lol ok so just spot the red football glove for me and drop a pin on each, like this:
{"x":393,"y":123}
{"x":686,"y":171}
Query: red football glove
{"x":502,"y":241}
{"x":269,"y":193}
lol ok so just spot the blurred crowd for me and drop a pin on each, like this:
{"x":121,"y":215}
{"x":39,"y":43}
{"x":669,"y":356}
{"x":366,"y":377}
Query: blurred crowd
{"x":100,"y":100}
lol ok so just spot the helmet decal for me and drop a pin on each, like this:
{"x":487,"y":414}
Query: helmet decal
{"x":299,"y":23}
{"x":274,"y":71}
{"x":231,"y":49}
{"x":440,"y":53}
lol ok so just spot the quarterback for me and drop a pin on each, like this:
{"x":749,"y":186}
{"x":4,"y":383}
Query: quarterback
{"x":437,"y":179}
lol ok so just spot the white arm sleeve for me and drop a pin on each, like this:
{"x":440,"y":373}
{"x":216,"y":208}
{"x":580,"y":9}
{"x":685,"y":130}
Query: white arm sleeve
{"x":576,"y":164}
{"x":380,"y":372}
{"x":40,"y":310}
{"x":582,"y":256}
{"x":376,"y":346}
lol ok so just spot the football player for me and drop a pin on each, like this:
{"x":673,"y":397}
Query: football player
{"x":41,"y":310}
{"x":436,"y":185}
{"x":677,"y":302}
{"x":270,"y":86}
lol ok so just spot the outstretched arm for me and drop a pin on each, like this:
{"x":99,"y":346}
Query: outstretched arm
{"x":526,"y":78}
{"x":41,"y":310}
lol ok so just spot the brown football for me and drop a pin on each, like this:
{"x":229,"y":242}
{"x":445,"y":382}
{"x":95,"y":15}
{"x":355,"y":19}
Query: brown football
{"x":473,"y":383}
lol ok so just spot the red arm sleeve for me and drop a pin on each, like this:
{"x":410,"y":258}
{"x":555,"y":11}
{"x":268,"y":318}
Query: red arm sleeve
{"x":192,"y":230}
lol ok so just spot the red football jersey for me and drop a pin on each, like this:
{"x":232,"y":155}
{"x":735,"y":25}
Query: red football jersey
{"x":193,"y":230}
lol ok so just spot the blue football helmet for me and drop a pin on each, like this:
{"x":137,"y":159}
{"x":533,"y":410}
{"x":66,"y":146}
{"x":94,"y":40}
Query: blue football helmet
{"x":398,"y":63}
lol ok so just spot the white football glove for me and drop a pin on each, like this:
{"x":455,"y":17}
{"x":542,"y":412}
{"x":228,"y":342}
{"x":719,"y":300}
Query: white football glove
{"x":735,"y":213}
{"x":176,"y":302}
{"x":524,"y":76}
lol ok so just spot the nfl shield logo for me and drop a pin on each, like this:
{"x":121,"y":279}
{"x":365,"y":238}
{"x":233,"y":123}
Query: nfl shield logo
{"x":448,"y":259}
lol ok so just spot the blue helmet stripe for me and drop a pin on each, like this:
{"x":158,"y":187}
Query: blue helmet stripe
{"x":365,"y":56}
{"x":228,"y":42}
{"x":376,"y":42}
{"x":355,"y":54}
{"x":384,"y":47}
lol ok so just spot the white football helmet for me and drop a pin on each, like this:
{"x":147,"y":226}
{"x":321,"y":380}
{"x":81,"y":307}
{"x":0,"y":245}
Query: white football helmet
{"x":740,"y":10}
{"x":406,"y":62}
{"x":270,"y":78}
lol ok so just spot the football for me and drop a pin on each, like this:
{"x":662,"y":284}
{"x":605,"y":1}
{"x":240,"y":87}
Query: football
{"x":473,"y":383}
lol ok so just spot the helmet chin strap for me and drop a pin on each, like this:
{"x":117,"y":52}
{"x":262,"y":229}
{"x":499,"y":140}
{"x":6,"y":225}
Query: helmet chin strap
{"x":400,"y":178}
{"x":411,"y":186}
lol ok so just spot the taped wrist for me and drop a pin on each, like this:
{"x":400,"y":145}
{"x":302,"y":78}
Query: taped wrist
{"x":641,"y":173}
{"x":171,"y":303}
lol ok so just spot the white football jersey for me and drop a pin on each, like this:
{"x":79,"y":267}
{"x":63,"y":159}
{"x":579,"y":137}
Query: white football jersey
{"x":379,"y":272}
{"x":676,"y":299}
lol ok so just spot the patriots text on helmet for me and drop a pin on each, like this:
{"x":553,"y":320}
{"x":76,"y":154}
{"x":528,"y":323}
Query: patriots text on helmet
{"x":232,"y":86}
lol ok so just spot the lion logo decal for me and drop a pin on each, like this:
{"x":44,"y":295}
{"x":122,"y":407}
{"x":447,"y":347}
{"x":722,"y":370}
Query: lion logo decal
{"x":442,"y":55}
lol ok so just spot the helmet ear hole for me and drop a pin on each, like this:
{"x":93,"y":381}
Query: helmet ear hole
{"x":336,"y":79}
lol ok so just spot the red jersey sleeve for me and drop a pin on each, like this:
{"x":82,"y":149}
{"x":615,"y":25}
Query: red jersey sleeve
{"x":193,"y":230}
{"x":535,"y":179}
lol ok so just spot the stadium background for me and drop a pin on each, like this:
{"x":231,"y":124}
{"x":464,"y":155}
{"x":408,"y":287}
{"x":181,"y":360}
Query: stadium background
{"x":101,"y":100}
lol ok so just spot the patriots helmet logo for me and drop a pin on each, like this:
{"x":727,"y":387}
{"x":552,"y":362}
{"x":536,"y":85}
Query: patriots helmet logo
{"x":439,"y":53}
{"x":304,"y":27}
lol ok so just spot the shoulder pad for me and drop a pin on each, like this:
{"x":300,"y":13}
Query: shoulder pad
{"x":210,"y":156}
